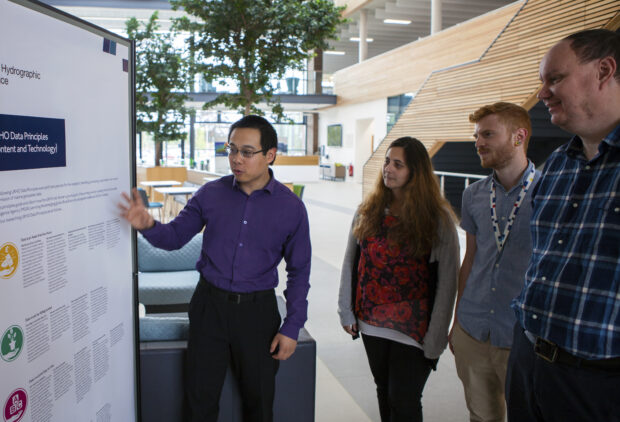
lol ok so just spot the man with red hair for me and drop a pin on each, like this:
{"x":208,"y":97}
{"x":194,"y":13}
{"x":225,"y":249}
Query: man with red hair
{"x":496,"y":217}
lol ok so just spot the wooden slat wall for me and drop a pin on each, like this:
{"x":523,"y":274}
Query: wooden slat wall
{"x":507,"y":72}
{"x":406,"y":68}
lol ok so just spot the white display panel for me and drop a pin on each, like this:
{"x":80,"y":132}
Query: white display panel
{"x":67,"y":350}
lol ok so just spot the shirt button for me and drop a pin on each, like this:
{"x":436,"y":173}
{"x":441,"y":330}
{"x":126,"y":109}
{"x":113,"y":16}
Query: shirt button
{"x":534,"y":316}
{"x":587,"y":167}
{"x":245,"y":222}
{"x":492,"y":289}
{"x":560,"y":242}
{"x":617,"y":209}
{"x":492,"y":311}
{"x":496,"y":265}
{"x":240,"y":245}
{"x":503,"y":218}
{"x":543,"y":278}
{"x":575,"y":205}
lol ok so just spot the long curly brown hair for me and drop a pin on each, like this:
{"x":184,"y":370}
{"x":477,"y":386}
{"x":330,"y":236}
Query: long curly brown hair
{"x":422,"y":209}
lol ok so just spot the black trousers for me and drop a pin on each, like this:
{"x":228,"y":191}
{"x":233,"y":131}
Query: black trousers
{"x":537,"y":390}
{"x":224,"y":332}
{"x":400,"y":373}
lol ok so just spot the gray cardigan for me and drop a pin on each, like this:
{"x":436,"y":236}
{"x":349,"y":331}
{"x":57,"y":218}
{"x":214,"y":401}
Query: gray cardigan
{"x":446,"y":253}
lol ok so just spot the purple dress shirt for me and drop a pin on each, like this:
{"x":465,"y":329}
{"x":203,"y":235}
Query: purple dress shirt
{"x":245,"y":238}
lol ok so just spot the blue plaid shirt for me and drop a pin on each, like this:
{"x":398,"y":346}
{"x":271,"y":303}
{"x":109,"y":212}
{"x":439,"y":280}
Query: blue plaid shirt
{"x":571,"y":295}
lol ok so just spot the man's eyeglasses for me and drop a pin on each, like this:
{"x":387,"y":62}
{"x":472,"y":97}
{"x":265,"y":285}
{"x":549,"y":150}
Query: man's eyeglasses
{"x":245,"y":153}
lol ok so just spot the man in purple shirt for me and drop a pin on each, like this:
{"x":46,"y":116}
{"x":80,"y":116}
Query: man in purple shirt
{"x":251,"y":221}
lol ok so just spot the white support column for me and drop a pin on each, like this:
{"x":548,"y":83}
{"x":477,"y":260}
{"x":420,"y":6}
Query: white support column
{"x":363,"y":44}
{"x":435,"y":16}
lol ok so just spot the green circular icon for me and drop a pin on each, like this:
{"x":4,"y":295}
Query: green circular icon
{"x":12,"y":343}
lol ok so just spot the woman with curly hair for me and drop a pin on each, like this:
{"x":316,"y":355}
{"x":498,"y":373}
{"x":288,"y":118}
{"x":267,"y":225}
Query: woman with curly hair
{"x":398,"y":281}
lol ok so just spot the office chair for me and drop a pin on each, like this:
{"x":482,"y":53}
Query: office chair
{"x":150,"y":205}
{"x":299,"y":190}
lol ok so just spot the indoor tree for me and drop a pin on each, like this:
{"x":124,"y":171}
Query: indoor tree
{"x":254,"y":41}
{"x":162,"y":78}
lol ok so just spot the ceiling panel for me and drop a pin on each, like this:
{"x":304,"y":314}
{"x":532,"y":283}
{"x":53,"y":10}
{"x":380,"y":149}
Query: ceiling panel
{"x":389,"y":36}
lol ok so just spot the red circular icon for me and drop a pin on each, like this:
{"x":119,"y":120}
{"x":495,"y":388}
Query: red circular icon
{"x":15,"y":406}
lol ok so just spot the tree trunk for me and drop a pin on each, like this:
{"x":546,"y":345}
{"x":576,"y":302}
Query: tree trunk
{"x":158,"y":144}
{"x":158,"y":152}
{"x":248,"y":99}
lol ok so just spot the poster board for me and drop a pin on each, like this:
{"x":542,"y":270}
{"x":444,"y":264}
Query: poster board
{"x":67,"y":260}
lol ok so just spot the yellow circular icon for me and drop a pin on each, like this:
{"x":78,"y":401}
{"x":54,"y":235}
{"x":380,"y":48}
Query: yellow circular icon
{"x":9,"y":258}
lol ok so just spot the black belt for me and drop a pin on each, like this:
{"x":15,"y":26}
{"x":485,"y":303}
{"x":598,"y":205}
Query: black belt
{"x":553,"y":354}
{"x":232,"y":297}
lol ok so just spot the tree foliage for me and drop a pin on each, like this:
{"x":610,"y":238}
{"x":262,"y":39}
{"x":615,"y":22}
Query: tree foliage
{"x":255,"y":41}
{"x":162,"y":77}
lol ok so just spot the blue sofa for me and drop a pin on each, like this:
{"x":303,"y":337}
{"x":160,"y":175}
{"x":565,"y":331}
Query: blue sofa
{"x":167,"y":279}
{"x":166,"y":282}
{"x":162,"y":364}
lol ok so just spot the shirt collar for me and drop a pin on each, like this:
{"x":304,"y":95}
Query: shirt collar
{"x":575,"y":146}
{"x":613,"y":139}
{"x":269,"y":187}
{"x":529,"y":167}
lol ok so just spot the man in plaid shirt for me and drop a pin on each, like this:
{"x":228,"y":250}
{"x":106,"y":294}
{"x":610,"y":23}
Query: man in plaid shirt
{"x":565,"y":360}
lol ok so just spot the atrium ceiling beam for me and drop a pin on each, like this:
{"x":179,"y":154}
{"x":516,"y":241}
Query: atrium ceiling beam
{"x":435,"y":16}
{"x":363,"y":35}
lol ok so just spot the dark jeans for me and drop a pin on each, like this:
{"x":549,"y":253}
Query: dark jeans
{"x":537,"y":390}
{"x":240,"y":334}
{"x":400,"y":372}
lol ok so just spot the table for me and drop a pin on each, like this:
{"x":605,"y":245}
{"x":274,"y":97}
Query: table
{"x":332,"y":172}
{"x":160,"y":183}
{"x":175,"y":190}
{"x":326,"y":168}
{"x":150,"y":184}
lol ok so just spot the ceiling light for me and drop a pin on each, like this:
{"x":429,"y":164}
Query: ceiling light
{"x":397,"y":21}
{"x":356,"y":39}
{"x":334,"y":52}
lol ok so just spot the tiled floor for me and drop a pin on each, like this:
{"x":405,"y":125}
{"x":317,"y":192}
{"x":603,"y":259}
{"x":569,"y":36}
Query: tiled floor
{"x":345,"y":389}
